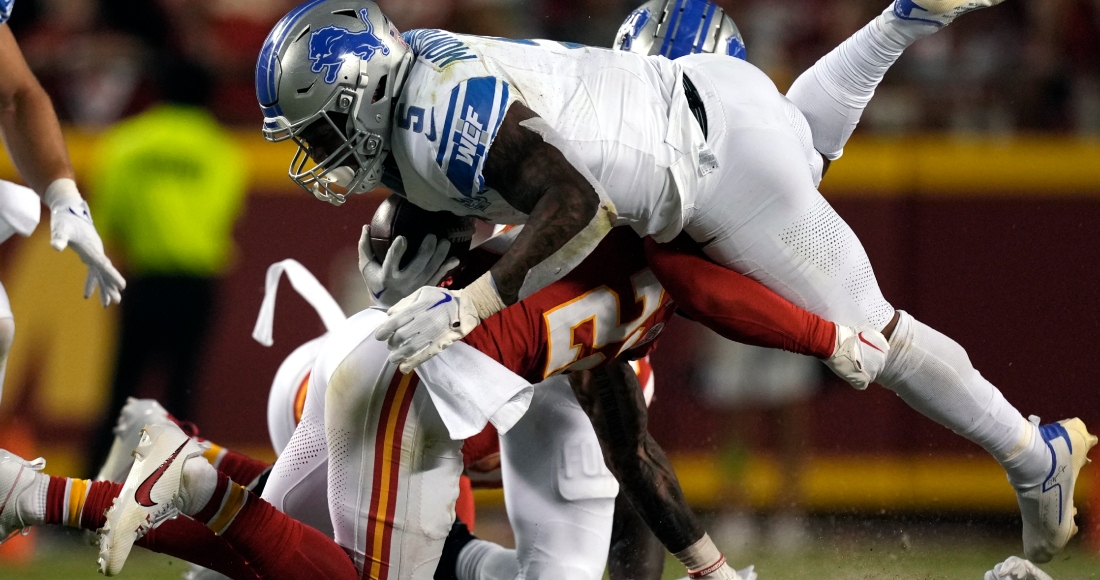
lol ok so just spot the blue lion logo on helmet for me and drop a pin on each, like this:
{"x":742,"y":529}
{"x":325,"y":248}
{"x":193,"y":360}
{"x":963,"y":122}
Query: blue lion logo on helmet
{"x":329,"y":46}
{"x":633,"y":26}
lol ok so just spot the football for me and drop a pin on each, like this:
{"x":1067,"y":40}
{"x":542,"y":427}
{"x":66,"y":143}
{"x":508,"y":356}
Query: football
{"x":400,"y":217}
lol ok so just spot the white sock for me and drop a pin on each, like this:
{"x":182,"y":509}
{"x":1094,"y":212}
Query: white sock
{"x":200,"y":480}
{"x":834,"y":91}
{"x":933,"y":374}
{"x":481,"y":560}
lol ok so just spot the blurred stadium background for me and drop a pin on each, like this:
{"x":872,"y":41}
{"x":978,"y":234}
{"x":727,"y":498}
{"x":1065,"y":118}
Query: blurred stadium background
{"x":973,"y":181}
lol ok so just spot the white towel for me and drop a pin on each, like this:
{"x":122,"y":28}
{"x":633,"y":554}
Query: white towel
{"x":470,"y":389}
{"x":20,"y":210}
{"x":306,"y":285}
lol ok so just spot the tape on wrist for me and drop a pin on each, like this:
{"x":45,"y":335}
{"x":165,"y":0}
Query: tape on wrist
{"x":484,"y":296}
{"x":62,"y":191}
{"x":701,"y":558}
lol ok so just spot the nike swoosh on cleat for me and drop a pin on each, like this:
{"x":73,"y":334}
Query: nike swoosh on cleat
{"x":447,"y":298}
{"x":865,"y":341}
{"x":142,"y":494}
{"x":1050,"y":433}
{"x":376,"y":296}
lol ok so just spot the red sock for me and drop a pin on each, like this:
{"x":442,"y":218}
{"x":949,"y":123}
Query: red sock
{"x":84,"y":504}
{"x":238,"y":466}
{"x":735,"y":306}
{"x":465,"y":509}
{"x":278,"y":546}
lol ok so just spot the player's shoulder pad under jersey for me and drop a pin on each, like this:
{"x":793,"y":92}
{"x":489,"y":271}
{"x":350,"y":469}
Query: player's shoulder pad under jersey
{"x":453,"y":118}
{"x":5,"y":10}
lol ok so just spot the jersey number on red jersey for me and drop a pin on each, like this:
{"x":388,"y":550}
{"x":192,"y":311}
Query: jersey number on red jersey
{"x":585,"y":331}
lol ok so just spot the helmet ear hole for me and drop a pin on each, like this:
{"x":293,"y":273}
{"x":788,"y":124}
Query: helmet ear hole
{"x":380,"y":90}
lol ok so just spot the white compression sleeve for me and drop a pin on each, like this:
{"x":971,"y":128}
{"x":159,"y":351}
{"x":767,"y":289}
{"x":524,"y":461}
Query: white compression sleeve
{"x":933,"y":374}
{"x":834,"y":91}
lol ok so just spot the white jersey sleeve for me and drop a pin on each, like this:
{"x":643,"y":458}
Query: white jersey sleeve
{"x":444,"y":125}
{"x":623,"y":116}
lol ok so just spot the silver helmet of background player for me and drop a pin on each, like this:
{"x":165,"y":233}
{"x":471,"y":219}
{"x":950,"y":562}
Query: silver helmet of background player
{"x":328,"y":72}
{"x":674,"y":28}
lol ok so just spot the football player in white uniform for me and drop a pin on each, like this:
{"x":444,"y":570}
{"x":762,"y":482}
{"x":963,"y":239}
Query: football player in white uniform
{"x":32,"y":136}
{"x":572,"y":140}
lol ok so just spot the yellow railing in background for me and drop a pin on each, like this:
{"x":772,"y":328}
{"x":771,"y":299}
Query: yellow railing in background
{"x":926,"y":166}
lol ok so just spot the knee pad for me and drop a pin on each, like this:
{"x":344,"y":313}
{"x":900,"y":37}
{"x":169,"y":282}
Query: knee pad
{"x":582,"y":473}
{"x":911,"y":344}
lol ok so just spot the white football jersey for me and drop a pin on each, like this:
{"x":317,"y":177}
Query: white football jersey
{"x":624,"y":114}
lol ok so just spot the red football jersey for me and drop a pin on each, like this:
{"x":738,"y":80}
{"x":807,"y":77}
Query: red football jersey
{"x":608,"y":305}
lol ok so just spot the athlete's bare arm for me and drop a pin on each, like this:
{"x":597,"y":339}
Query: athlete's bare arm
{"x":28,"y":123}
{"x":612,"y":398}
{"x":535,"y":178}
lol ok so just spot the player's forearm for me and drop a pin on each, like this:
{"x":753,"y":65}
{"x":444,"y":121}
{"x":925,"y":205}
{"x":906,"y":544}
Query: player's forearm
{"x":32,"y":135}
{"x":613,"y":400}
{"x":559,"y":232}
{"x":735,"y":306}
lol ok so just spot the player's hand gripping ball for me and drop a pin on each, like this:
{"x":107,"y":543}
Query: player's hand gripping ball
{"x":419,"y":248}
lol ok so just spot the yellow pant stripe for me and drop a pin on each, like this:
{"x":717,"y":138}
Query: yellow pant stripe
{"x":78,"y":494}
{"x":235,"y":498}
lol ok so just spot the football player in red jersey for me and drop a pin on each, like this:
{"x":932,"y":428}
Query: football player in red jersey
{"x":275,"y":545}
{"x":400,"y":452}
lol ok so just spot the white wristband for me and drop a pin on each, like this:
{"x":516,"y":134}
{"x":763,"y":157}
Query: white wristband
{"x":62,"y":191}
{"x":484,"y":296}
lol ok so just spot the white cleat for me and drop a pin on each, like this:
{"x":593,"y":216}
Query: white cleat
{"x":1047,"y":508}
{"x":16,"y":477}
{"x":136,"y":414}
{"x":1016,"y":568}
{"x":937,"y":12}
{"x":859,"y":355}
{"x":151,"y":495}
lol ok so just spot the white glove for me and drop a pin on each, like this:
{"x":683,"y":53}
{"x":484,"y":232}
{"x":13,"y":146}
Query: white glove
{"x":388,"y":284}
{"x":859,"y":355}
{"x":431,"y":319}
{"x":1016,"y":568}
{"x":71,"y":226}
{"x":423,"y":324}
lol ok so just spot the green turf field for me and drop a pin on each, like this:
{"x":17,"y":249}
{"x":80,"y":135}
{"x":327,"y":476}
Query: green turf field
{"x":854,"y":552}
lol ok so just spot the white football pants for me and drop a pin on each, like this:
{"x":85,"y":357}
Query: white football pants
{"x":372,"y":444}
{"x":559,"y":494}
{"x":760,"y":214}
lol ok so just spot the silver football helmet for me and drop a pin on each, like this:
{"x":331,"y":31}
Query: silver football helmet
{"x":674,"y":28}
{"x":327,"y":77}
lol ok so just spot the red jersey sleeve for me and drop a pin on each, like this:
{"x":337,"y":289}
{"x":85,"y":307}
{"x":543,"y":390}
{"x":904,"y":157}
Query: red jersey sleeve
{"x":733,"y":305}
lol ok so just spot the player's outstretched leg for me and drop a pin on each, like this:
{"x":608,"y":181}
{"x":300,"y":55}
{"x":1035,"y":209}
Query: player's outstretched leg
{"x":833,"y":93}
{"x":763,"y":217}
{"x":166,"y":481}
{"x":559,"y":496}
{"x":138,"y":413}
{"x":34,"y":498}
{"x":933,"y":374}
